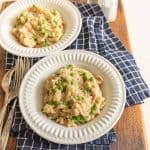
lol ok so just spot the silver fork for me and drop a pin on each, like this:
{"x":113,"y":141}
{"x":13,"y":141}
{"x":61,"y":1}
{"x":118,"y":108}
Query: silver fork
{"x":21,"y":67}
{"x":10,"y":92}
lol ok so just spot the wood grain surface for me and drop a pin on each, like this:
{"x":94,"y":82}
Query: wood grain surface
{"x":130,"y":128}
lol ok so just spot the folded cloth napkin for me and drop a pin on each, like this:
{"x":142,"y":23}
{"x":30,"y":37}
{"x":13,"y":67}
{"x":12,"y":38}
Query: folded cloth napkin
{"x":95,"y":36}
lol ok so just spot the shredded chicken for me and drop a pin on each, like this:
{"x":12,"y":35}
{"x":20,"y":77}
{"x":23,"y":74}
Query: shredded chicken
{"x":38,"y":27}
{"x":72,"y":96}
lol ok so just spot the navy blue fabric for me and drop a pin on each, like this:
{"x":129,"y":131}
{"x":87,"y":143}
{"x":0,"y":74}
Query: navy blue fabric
{"x":95,"y":36}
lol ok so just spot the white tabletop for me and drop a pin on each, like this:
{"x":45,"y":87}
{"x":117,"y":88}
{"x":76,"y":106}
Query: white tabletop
{"x":137,"y":16}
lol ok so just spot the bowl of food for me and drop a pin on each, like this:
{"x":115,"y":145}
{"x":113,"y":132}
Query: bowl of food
{"x":72,"y":97}
{"x":38,"y":28}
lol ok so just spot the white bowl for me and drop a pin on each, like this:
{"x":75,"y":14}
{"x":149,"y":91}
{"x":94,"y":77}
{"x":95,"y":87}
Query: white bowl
{"x":69,"y":12}
{"x":30,"y":97}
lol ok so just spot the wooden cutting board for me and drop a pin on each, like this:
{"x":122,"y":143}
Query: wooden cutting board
{"x":130,"y":128}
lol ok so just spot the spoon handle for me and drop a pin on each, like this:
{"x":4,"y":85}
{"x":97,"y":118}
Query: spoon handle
{"x":3,"y":114}
{"x":7,"y":127}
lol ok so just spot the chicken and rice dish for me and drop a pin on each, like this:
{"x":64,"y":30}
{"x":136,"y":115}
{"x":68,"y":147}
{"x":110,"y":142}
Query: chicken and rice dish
{"x":38,"y":27}
{"x":72,"y":96}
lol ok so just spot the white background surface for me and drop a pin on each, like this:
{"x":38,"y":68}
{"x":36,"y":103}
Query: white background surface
{"x":137,"y":14}
{"x":138,"y":21}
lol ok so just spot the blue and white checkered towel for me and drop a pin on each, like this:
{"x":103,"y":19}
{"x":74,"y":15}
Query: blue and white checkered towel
{"x":95,"y":36}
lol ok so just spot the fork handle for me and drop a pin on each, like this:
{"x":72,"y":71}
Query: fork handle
{"x":3,"y":114}
{"x":7,"y":127}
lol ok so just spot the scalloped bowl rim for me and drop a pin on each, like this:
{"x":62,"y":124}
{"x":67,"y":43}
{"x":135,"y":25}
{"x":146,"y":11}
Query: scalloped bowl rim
{"x":85,"y":139}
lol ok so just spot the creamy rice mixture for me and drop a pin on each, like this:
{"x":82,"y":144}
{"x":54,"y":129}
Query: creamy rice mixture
{"x":72,"y":96}
{"x":38,"y":27}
